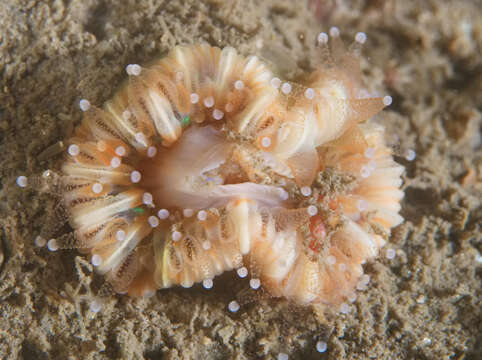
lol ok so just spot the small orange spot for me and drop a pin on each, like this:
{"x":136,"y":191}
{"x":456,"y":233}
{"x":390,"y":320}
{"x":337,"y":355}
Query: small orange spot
{"x":318,"y":232}
{"x":317,"y":227}
{"x":469,"y":178}
{"x":333,"y":204}
{"x":315,"y":246}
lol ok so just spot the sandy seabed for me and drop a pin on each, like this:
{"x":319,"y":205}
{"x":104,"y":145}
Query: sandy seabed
{"x":424,"y":304}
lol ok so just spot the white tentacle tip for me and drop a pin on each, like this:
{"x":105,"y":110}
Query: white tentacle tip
{"x":95,"y":306}
{"x":84,"y":105}
{"x":208,"y":284}
{"x":242,"y":272}
{"x":321,"y":346}
{"x":283,"y":356}
{"x":96,"y":260}
{"x":334,"y":31}
{"x":133,"y":69}
{"x":52,"y":245}
{"x":387,"y":100}
{"x":233,"y":306}
{"x":239,"y":85}
{"x":322,"y":38}
{"x":22,"y":181}
{"x":361,"y":37}
{"x":309,"y":93}
{"x":135,"y":176}
{"x":73,"y":150}
{"x":255,"y":283}
{"x":286,"y":88}
{"x":410,"y":155}
{"x":305,"y":191}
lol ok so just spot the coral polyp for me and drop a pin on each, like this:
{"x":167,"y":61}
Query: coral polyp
{"x":206,"y":162}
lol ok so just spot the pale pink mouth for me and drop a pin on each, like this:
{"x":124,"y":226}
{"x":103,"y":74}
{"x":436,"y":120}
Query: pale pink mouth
{"x":188,"y":175}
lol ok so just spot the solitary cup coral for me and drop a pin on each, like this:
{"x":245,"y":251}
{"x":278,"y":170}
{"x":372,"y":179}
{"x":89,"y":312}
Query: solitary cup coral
{"x":205,"y":162}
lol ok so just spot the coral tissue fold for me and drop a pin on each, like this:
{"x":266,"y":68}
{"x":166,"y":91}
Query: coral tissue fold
{"x":206,"y":162}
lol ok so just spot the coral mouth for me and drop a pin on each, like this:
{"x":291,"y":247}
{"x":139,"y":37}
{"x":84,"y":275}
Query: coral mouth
{"x":197,"y":173}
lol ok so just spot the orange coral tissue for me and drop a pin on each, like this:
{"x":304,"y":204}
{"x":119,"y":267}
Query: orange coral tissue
{"x":206,"y":162}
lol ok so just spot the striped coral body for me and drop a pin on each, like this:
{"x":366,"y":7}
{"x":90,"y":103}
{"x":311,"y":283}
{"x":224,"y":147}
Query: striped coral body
{"x":199,"y":163}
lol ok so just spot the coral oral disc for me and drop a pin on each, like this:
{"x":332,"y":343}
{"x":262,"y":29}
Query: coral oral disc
{"x":206,"y":162}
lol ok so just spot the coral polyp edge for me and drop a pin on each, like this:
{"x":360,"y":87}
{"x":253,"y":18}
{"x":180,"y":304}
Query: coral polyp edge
{"x":205,"y":162}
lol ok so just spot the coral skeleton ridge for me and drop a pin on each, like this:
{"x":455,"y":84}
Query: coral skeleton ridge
{"x":206,"y":162}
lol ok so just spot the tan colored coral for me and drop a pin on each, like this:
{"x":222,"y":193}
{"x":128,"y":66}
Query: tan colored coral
{"x":205,"y":162}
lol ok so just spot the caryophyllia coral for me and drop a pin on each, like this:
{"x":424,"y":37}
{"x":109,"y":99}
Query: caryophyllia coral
{"x":206,"y":162}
